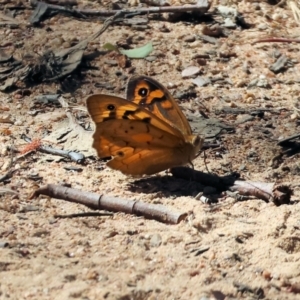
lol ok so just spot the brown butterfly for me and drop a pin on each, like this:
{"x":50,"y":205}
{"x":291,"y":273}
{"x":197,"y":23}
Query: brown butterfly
{"x":145,"y":133}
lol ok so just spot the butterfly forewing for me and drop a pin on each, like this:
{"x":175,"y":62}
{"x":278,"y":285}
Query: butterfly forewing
{"x":104,"y":107}
{"x":153,"y":96}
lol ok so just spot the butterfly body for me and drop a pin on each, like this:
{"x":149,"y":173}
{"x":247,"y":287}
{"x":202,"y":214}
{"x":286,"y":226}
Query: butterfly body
{"x":145,"y":134}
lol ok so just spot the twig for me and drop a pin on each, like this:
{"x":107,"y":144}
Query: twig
{"x":96,"y":201}
{"x":8,"y":175}
{"x":86,"y":214}
{"x":106,"y":13}
{"x":266,"y":191}
{"x":276,"y":40}
{"x":285,"y":140}
{"x":74,"y":156}
{"x":63,"y":2}
{"x":155,"y":2}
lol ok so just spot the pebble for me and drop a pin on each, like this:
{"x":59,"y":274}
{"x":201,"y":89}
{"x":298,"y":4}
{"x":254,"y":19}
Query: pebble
{"x":201,"y":61}
{"x":262,"y":27}
{"x":164,"y":28}
{"x":18,"y":123}
{"x":201,"y":81}
{"x":57,"y":42}
{"x":267,"y":275}
{"x":189,"y":38}
{"x":4,"y":151}
{"x":196,"y":44}
{"x":111,"y":62}
{"x":193,"y":273}
{"x":241,"y":83}
{"x":276,"y":17}
{"x":205,"y":199}
{"x":151,"y":58}
{"x":155,"y":240}
{"x":294,"y":117}
{"x":190,"y":71}
{"x":3,"y":244}
{"x":228,"y":23}
{"x":6,"y":119}
{"x":5,"y":166}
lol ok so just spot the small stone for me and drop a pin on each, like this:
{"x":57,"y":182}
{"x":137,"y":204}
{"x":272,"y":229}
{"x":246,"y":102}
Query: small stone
{"x":3,"y":244}
{"x":294,"y":288}
{"x":201,"y":81}
{"x":193,"y":273}
{"x":228,"y":23}
{"x":189,"y":38}
{"x":155,"y":240}
{"x":151,"y":58}
{"x":262,"y":26}
{"x":164,"y":28}
{"x":205,"y":199}
{"x":6,"y":119}
{"x":70,"y":277}
{"x":267,"y":275}
{"x":57,"y":42}
{"x":111,"y":62}
{"x":6,"y":165}
{"x":18,"y":123}
{"x":241,"y":83}
{"x":276,"y":17}
{"x":190,"y":71}
{"x":201,"y":61}
{"x":92,"y":275}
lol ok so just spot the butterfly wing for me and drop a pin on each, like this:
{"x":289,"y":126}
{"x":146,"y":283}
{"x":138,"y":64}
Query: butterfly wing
{"x":140,"y":161}
{"x":104,"y":107}
{"x":151,"y":95}
{"x":139,"y":148}
{"x":139,"y":142}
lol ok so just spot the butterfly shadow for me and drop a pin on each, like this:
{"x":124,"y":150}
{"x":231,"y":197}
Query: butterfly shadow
{"x":172,"y":187}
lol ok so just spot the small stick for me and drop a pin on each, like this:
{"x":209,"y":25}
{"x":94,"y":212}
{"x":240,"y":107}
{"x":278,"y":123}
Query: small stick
{"x":276,"y":40}
{"x":87,"y":214}
{"x":143,"y":10}
{"x":8,"y":175}
{"x":63,"y":2}
{"x":266,"y":191}
{"x":74,"y":156}
{"x":96,"y":201}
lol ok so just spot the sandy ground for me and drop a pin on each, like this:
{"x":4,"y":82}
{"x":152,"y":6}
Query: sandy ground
{"x":226,"y":250}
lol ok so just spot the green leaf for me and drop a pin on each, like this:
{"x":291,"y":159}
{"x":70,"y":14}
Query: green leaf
{"x":140,"y":52}
{"x":109,"y":46}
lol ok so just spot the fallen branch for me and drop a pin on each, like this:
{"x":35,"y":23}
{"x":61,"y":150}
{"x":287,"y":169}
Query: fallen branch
{"x":261,"y":190}
{"x":44,"y":8}
{"x":96,"y":201}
